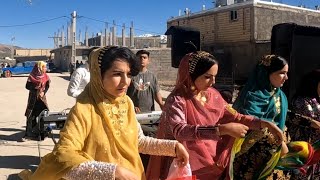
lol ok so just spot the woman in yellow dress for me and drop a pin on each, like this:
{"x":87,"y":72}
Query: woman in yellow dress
{"x":102,"y":137}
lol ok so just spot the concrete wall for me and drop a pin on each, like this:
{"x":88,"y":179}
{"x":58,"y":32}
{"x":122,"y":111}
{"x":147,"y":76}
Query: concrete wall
{"x":32,"y":52}
{"x":265,"y":17}
{"x":238,"y":59}
{"x":217,"y":26}
{"x":62,"y":57}
{"x":160,"y":64}
{"x":139,"y":42}
{"x":239,"y":44}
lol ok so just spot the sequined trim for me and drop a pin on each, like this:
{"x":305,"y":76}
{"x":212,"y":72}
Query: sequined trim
{"x":158,"y":147}
{"x":92,"y":170}
{"x":231,"y":110}
{"x":277,"y":104}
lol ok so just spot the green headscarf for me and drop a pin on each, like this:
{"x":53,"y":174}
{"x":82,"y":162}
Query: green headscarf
{"x":257,"y":98}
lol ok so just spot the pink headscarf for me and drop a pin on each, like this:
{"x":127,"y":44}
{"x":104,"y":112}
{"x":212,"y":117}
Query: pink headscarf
{"x":202,"y":152}
{"x":38,"y":76}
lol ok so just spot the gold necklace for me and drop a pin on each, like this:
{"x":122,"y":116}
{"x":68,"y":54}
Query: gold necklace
{"x":276,"y":100}
{"x":201,"y":97}
{"x":277,"y":103}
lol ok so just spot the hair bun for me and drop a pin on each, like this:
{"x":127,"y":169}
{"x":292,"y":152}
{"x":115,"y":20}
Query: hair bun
{"x":266,"y":60}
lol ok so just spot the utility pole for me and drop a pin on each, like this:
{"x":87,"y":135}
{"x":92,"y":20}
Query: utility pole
{"x":123,"y":35}
{"x":12,"y":48}
{"x":55,"y":38}
{"x":86,"y":37}
{"x":73,"y":35}
{"x":80,"y":38}
{"x":131,"y":35}
{"x":62,"y":37}
{"x":114,"y":33}
{"x":106,"y":35}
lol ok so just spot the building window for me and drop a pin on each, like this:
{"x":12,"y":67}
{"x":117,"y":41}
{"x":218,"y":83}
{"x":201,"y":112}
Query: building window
{"x":233,"y":15}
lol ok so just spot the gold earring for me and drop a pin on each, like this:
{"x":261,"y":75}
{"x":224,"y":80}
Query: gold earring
{"x":193,"y":88}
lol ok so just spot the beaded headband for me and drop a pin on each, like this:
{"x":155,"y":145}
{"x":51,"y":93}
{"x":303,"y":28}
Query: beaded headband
{"x":195,"y":57}
{"x":102,"y":51}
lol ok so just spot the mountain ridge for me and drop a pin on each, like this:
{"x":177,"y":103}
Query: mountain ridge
{"x":5,"y":50}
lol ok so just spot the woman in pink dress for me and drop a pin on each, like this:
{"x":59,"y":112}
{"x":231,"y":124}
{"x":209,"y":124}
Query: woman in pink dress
{"x":196,"y":115}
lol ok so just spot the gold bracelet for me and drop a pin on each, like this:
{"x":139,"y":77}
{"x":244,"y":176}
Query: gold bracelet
{"x":218,"y":130}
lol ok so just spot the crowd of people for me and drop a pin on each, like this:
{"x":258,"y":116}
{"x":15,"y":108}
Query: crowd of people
{"x":258,"y":137}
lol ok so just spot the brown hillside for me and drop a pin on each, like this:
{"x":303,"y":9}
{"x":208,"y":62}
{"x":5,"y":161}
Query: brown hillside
{"x":5,"y":50}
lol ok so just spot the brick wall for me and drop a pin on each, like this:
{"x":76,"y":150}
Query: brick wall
{"x":160,"y":64}
{"x":266,"y":17}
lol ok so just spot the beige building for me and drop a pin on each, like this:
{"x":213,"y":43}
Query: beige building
{"x":139,"y":42}
{"x":160,"y":61}
{"x":32,"y":52}
{"x":239,"y":34}
{"x":22,"y":55}
{"x":62,"y":56}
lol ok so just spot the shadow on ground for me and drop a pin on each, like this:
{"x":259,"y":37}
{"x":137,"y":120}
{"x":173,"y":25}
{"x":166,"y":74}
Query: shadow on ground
{"x":64,"y":76}
{"x":19,"y":133}
{"x":17,"y":76}
{"x":17,"y":136}
{"x":19,"y":162}
{"x":13,"y":177}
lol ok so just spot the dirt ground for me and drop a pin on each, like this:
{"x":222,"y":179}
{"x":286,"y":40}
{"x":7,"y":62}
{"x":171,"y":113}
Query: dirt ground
{"x":14,"y":154}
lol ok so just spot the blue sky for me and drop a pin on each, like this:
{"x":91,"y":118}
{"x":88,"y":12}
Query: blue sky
{"x":149,"y":16}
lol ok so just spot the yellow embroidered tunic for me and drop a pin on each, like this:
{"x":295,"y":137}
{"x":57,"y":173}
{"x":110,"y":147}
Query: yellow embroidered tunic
{"x":99,"y":128}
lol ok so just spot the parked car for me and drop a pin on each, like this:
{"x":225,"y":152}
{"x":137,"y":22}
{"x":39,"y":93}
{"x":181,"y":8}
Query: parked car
{"x":19,"y":68}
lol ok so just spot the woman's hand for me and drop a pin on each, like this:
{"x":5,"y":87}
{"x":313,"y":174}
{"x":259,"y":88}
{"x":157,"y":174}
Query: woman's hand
{"x":315,"y":124}
{"x":182,"y":155}
{"x":137,"y":109}
{"x":235,"y":130}
{"x":41,"y":94}
{"x":275,"y":131}
{"x":284,"y":149}
{"x":124,"y":174}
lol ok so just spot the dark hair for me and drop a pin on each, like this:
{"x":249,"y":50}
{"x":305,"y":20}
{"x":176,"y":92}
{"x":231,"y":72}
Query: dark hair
{"x":203,"y":65}
{"x":309,"y":84}
{"x":124,"y":53}
{"x":276,"y":63}
{"x":142,"y":52}
{"x":226,"y":95}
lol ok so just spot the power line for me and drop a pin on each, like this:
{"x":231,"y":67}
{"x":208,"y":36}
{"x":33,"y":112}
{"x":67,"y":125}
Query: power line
{"x":93,"y":19}
{"x":28,"y":24}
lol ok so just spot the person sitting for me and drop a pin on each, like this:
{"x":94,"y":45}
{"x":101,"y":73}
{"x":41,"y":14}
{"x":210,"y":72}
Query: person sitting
{"x":102,"y":137}
{"x":303,"y":124}
{"x":263,"y":98}
{"x":196,"y":115}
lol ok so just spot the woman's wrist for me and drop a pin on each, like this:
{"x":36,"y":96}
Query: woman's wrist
{"x":175,"y":148}
{"x":217,"y":130}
